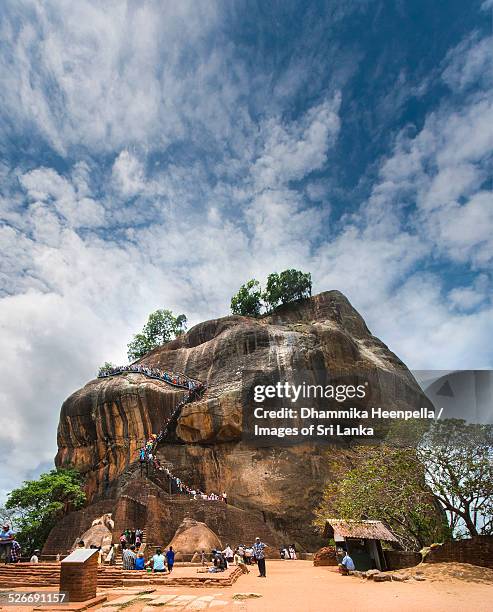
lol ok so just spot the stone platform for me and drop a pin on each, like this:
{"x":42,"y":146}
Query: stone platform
{"x":40,"y":575}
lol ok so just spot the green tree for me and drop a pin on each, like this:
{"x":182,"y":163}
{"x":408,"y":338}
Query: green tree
{"x":458,"y":458}
{"x":384,"y":483}
{"x":106,"y":367}
{"x":161,"y":327}
{"x":38,"y":504}
{"x":288,"y":286}
{"x":247,"y":301}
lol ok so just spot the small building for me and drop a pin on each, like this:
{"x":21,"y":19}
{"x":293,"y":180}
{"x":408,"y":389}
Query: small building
{"x":362,"y":540}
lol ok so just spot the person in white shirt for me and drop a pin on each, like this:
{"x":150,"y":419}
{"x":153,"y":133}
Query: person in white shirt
{"x":228,"y":553}
{"x":35,"y":558}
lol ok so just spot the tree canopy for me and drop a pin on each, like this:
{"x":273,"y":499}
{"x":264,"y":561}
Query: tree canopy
{"x":248,"y":301}
{"x":36,"y":506}
{"x":458,"y":458}
{"x":283,"y":288}
{"x":384,"y":483}
{"x":288,"y":286}
{"x":161,"y":327}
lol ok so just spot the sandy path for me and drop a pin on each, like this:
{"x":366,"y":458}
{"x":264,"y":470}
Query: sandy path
{"x":297,"y":585}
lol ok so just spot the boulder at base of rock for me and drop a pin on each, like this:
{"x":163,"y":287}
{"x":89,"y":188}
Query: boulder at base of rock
{"x":97,"y":535}
{"x":325,"y":556}
{"x":400,"y":577}
{"x":246,"y":595}
{"x":193,"y":536}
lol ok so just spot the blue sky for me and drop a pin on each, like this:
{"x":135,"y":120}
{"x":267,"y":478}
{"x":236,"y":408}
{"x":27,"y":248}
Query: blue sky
{"x":159,"y":154}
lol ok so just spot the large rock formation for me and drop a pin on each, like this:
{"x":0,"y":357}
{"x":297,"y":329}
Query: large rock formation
{"x":102,"y":425}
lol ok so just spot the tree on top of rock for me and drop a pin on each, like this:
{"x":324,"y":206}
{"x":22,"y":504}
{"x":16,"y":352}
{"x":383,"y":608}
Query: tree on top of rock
{"x":161,"y":327}
{"x":288,"y":286}
{"x":247,"y":302}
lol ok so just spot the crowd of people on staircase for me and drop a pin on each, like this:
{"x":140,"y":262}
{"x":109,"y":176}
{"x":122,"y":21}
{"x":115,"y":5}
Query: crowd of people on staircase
{"x":131,"y":537}
{"x":177,"y":380}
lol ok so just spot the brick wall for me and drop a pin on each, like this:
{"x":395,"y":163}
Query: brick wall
{"x":63,"y":536}
{"x":129,"y":514}
{"x":477,"y":551}
{"x":399,"y":559}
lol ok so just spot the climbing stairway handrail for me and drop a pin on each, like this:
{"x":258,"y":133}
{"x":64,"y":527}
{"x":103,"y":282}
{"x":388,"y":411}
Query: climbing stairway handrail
{"x":170,"y":378}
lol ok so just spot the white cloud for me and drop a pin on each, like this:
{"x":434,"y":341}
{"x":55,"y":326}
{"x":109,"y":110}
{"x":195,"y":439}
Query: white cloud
{"x":293,"y":150}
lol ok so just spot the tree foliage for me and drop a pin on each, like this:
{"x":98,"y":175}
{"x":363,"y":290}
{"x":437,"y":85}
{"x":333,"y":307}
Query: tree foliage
{"x":37,"y":505}
{"x":385,"y":483}
{"x":288,"y":286}
{"x":458,"y":458}
{"x":283,"y":288}
{"x":248,"y":301}
{"x":161,"y":327}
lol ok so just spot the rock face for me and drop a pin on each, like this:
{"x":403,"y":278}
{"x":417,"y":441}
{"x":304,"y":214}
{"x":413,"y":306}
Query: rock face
{"x":102,"y":425}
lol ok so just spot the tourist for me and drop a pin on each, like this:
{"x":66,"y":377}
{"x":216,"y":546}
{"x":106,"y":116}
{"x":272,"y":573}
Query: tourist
{"x":346,"y":565}
{"x":228,"y":553}
{"x":140,"y":562}
{"x":259,"y":552}
{"x":158,"y":561}
{"x":219,"y":560}
{"x":248,"y":555}
{"x":292,"y":552}
{"x":15,"y":552}
{"x":81,"y":544}
{"x":203,"y":557}
{"x":225,"y":498}
{"x":6,"y":539}
{"x":129,"y":557}
{"x":34,"y":557}
{"x":170,"y":559}
{"x":123,"y":541}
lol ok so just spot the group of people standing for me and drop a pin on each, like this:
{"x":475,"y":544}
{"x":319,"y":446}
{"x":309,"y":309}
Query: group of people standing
{"x":288,"y":552}
{"x":245,"y":556}
{"x":131,"y":537}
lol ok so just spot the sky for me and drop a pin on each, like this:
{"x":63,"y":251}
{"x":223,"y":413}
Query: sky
{"x":159,"y":154}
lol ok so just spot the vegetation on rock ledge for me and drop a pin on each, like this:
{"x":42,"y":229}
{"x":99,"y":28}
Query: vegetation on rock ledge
{"x":288,"y":286}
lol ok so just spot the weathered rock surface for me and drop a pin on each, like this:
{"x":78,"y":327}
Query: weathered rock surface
{"x":193,"y":536}
{"x":97,"y":535}
{"x":102,"y":425}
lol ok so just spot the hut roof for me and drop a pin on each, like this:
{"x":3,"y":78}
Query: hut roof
{"x":371,"y":530}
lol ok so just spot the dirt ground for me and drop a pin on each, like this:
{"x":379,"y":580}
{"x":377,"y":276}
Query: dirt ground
{"x":297,"y":585}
